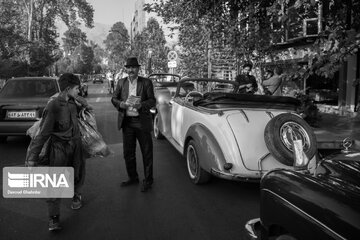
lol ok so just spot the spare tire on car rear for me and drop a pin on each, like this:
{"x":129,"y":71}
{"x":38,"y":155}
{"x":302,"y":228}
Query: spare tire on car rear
{"x":278,"y":138}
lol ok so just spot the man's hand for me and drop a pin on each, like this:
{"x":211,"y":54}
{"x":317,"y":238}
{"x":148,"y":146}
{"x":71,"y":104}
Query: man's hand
{"x":137,"y":105}
{"x":30,"y":164}
{"x":124,"y":105}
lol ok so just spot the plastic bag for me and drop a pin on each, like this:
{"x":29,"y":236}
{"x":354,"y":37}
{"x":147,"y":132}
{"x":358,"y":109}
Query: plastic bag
{"x":93,"y":143}
{"x":44,"y":155}
{"x":89,"y":117}
{"x":34,"y":130}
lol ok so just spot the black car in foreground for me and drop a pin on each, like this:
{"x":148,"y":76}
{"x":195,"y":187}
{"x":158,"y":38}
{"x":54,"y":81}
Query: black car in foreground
{"x":321,"y":205}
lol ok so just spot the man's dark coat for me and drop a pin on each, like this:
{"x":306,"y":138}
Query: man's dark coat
{"x":145,"y":90}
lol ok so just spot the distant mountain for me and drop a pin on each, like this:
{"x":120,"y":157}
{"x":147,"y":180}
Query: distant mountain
{"x":96,"y":34}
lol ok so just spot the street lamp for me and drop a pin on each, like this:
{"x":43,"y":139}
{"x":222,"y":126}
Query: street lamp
{"x":150,"y":51}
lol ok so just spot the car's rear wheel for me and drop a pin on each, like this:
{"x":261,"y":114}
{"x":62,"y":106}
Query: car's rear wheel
{"x":3,"y":139}
{"x":157,"y":133}
{"x":280,"y":133}
{"x":196,"y":173}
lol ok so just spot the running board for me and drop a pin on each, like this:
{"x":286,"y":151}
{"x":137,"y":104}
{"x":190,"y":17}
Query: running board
{"x":175,"y":144}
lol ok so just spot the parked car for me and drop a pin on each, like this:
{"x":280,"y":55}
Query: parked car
{"x":230,"y":135}
{"x":98,"y":78}
{"x":300,"y":205}
{"x":163,"y":82}
{"x":22,"y":101}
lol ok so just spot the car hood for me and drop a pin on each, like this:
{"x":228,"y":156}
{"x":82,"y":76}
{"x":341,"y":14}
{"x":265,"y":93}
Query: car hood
{"x":330,"y":196}
{"x":340,"y":172}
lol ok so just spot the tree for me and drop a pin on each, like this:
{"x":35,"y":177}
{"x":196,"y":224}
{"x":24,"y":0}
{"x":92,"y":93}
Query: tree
{"x":151,"y":43}
{"x":249,"y":27}
{"x":99,"y":56}
{"x":117,"y":44}
{"x":30,"y":37}
{"x":74,"y":37}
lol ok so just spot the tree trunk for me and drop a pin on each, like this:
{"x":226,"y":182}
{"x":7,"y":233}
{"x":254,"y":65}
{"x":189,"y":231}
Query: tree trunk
{"x":30,"y":13}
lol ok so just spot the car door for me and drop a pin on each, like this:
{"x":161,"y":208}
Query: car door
{"x":177,"y":117}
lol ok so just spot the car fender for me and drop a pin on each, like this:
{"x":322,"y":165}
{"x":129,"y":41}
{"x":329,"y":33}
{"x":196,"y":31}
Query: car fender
{"x":304,"y":198}
{"x":209,"y":152}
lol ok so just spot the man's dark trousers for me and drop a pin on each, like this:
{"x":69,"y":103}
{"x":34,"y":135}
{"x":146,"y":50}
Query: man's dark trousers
{"x":132,"y":131}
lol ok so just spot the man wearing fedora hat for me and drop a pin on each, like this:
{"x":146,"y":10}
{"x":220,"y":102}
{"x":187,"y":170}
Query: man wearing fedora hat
{"x":133,"y":98}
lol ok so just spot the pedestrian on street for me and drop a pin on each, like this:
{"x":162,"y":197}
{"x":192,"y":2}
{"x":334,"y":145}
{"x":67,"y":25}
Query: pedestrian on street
{"x":133,"y":98}
{"x":273,"y":84}
{"x":60,"y":124}
{"x":247,"y":82}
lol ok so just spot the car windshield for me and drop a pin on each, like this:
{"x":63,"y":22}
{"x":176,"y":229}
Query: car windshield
{"x":160,"y":78}
{"x":28,"y":88}
{"x":204,"y":86}
{"x":216,"y":93}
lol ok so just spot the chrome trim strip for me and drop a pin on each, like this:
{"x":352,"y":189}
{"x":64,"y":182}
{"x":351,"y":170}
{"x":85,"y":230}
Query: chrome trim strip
{"x":305,"y":214}
{"x":244,"y":114}
{"x":260,"y":161}
{"x":271,"y":115}
{"x":250,"y":228}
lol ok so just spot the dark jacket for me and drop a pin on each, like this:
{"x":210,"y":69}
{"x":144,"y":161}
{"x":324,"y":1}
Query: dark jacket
{"x":59,"y":121}
{"x":145,"y":90}
{"x":246,"y":79}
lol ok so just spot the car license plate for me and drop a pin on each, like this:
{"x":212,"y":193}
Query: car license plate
{"x":21,"y":114}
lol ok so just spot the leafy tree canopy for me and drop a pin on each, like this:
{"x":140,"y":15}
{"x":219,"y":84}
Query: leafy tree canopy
{"x":28,"y":31}
{"x":117,"y":44}
{"x":248,"y":27}
{"x":151,"y":43}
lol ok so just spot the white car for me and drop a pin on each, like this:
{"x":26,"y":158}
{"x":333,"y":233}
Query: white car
{"x":230,"y":135}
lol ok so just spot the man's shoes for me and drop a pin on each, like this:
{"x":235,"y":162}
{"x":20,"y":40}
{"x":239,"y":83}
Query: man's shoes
{"x":130,"y":182}
{"x":54,"y":223}
{"x":76,"y":202}
{"x":145,"y":186}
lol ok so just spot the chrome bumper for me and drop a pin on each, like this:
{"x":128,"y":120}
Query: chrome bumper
{"x":252,"y":228}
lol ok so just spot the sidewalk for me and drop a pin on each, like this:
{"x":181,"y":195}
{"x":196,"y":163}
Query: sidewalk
{"x":332,"y":129}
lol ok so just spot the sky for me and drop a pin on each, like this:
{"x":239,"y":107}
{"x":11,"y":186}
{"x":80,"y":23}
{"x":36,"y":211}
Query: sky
{"x":112,"y":11}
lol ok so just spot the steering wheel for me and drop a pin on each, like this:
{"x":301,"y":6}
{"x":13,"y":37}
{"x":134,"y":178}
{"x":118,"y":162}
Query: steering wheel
{"x":192,"y":93}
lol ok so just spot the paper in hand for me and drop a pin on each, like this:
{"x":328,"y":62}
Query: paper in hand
{"x":132,"y":100}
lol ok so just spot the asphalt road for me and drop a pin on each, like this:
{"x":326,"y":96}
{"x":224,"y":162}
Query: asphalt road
{"x":175,"y":208}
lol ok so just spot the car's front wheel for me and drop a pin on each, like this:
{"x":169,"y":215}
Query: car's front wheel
{"x":196,"y":173}
{"x":157,"y":133}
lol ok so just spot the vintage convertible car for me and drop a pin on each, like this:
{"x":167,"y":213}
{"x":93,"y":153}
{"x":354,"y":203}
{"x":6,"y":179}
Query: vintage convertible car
{"x":230,"y":135}
{"x":321,"y":205}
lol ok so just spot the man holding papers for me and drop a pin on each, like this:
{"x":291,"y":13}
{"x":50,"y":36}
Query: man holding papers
{"x":133,"y":98}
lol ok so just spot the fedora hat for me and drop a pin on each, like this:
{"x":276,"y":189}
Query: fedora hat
{"x":132,"y":62}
